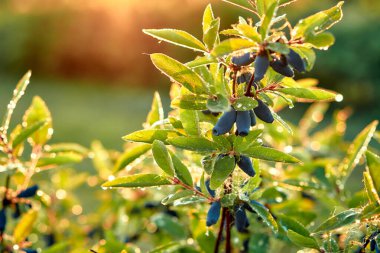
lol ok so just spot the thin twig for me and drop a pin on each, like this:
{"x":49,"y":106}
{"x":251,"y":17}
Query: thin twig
{"x":243,"y":7}
{"x":228,"y":232}
{"x":179,"y":182}
{"x":220,"y":233}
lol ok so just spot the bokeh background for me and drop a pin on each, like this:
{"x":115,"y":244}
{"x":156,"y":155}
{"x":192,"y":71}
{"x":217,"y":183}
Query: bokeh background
{"x":90,"y":64}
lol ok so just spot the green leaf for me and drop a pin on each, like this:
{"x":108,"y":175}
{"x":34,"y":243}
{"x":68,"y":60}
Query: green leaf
{"x":178,"y":195}
{"x":231,"y":45}
{"x":210,"y":27}
{"x":301,"y":240}
{"x":355,"y":151}
{"x":156,"y":112}
{"x":321,"y":41}
{"x":267,"y":19}
{"x":38,"y":112}
{"x":331,"y":245}
{"x":169,"y":225}
{"x":18,"y":92}
{"x":309,"y":93}
{"x":199,"y":144}
{"x":218,"y":103}
{"x":192,"y":200}
{"x":138,"y":180}
{"x":223,"y":167}
{"x":66,"y":147}
{"x":248,"y":32}
{"x":372,"y":194}
{"x":58,"y":248}
{"x":243,"y":143}
{"x":339,"y":220}
{"x":149,"y":135}
{"x":245,"y":103}
{"x":269,"y":154}
{"x":59,"y":159}
{"x":279,"y":47}
{"x":373,"y":166}
{"x":162,"y":157}
{"x":201,"y":61}
{"x":294,"y":225}
{"x":264,"y":214}
{"x":264,"y":5}
{"x":25,"y":225}
{"x":318,"y":22}
{"x":181,"y":171}
{"x":130,"y":155}
{"x":176,"y":37}
{"x":26,"y":132}
{"x":189,"y":102}
{"x":208,"y":163}
{"x":179,"y":73}
{"x":190,"y":121}
{"x":282,"y":122}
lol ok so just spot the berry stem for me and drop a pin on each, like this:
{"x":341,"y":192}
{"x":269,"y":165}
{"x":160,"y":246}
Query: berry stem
{"x":228,"y":232}
{"x":188,"y":187}
{"x":248,"y":92}
{"x":220,"y":233}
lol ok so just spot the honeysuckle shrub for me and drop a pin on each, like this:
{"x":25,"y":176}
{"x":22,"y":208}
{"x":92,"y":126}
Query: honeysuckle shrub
{"x":221,"y":172}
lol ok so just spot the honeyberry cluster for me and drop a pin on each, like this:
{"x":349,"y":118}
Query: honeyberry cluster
{"x":19,"y":204}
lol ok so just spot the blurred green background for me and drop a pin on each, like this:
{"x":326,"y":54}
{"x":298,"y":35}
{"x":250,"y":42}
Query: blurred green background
{"x":90,"y":64}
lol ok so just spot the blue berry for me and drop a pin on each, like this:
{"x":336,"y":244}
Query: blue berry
{"x":3,"y":220}
{"x":212,"y":192}
{"x":253,"y":117}
{"x":263,"y":112}
{"x":241,"y":220}
{"x":225,"y":122}
{"x":245,"y":164}
{"x":28,"y":192}
{"x":296,"y":61}
{"x":29,"y":250}
{"x":261,"y":66}
{"x":213,"y":214}
{"x":244,"y":78}
{"x":281,"y":68}
{"x":243,"y":60}
{"x":243,"y":122}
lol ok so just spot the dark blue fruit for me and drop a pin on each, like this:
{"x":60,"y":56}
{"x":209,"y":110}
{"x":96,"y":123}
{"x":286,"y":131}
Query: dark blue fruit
{"x":253,"y":117}
{"x":225,"y":123}
{"x":263,"y":112}
{"x":3,"y":220}
{"x":17,"y":211}
{"x":245,"y":165}
{"x":373,"y":245}
{"x":213,"y":214}
{"x":28,"y":192}
{"x":29,"y":250}
{"x":296,"y":61}
{"x":281,"y":68}
{"x":241,"y":220}
{"x":261,"y":66}
{"x":212,"y":192}
{"x":243,"y":60}
{"x":243,"y":122}
{"x":244,"y":78}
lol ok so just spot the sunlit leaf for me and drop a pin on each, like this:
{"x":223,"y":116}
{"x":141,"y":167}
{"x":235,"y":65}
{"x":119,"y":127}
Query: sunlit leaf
{"x":223,"y":167}
{"x":373,"y":165}
{"x":27,"y":132}
{"x":267,"y":18}
{"x":181,"y":171}
{"x":179,"y":73}
{"x":248,"y":32}
{"x":25,"y":225}
{"x":156,"y":112}
{"x":150,"y":135}
{"x":138,"y":180}
{"x":61,"y":158}
{"x":38,"y":112}
{"x":339,"y":220}
{"x":309,"y":93}
{"x":264,"y":214}
{"x":199,"y":144}
{"x":130,"y":155}
{"x":190,"y":102}
{"x":372,"y":194}
{"x":162,"y":157}
{"x":269,"y":154}
{"x":321,"y":41}
{"x":190,"y":121}
{"x":301,"y":240}
{"x":355,"y":151}
{"x":232,"y":45}
{"x":176,"y":37}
